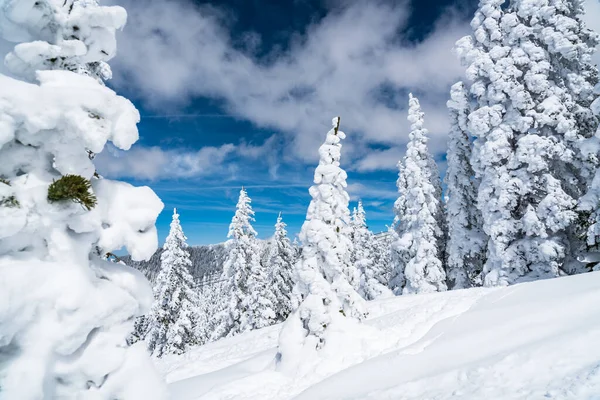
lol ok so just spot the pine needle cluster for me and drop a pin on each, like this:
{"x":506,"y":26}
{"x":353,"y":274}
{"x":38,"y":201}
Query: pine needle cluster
{"x":75,"y":188}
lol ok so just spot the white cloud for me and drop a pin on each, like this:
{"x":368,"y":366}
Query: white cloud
{"x":155,"y":163}
{"x":379,"y":160}
{"x":152,"y":163}
{"x":351,"y":63}
{"x":372,"y":190}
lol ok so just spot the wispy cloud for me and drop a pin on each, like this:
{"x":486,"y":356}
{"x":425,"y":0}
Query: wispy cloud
{"x":156,"y":163}
{"x":152,"y":163}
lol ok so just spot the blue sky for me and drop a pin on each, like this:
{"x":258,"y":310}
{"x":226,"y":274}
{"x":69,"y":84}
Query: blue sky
{"x":242,"y":92}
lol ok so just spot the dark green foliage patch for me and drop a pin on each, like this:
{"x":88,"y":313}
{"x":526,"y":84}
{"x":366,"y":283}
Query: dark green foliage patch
{"x":74,"y":188}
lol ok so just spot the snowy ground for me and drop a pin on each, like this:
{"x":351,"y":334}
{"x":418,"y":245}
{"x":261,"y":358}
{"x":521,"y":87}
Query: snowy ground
{"x":537,"y":340}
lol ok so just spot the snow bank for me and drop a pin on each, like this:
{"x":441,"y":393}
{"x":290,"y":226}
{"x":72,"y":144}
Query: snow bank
{"x":68,"y":329}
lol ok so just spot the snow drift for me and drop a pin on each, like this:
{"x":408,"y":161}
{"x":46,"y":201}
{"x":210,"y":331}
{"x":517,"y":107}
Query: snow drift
{"x":532,"y":340}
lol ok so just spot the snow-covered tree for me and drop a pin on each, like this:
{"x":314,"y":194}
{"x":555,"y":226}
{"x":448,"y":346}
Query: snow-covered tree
{"x":65,"y":327}
{"x":465,"y":248}
{"x":569,"y":46}
{"x":419,"y":213}
{"x":172,"y":319}
{"x":261,"y":304}
{"x":244,"y":273}
{"x":525,"y":127}
{"x":373,"y":280}
{"x":321,"y":281}
{"x":281,"y":263}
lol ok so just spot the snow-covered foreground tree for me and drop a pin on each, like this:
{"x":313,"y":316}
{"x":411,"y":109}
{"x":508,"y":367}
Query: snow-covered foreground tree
{"x":248,"y":304}
{"x":327,"y":298}
{"x":364,"y":257}
{"x":67,"y":312}
{"x":172,"y":319}
{"x":527,"y":73}
{"x":280,"y":264}
{"x":465,"y":248}
{"x":419,"y":214}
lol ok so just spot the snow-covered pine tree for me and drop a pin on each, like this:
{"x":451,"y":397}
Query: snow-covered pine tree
{"x":241,"y":270}
{"x":282,"y":257}
{"x":569,"y":45}
{"x":465,"y":249}
{"x":372,"y":276}
{"x":419,"y":213}
{"x":260,"y":304}
{"x":52,"y":242}
{"x":321,"y":281}
{"x":523,"y":125}
{"x":493,"y":148}
{"x":172,"y":319}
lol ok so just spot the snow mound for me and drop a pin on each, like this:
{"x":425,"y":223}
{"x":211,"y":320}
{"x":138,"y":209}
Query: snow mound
{"x":68,"y":332}
{"x":528,"y":341}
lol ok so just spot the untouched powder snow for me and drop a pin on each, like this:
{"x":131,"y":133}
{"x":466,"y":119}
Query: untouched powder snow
{"x":528,"y":341}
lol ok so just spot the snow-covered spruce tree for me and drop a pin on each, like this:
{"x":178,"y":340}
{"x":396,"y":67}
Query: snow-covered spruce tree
{"x":245,"y":308}
{"x":260,"y":305}
{"x":64,"y":331}
{"x":372,"y":276}
{"x":172,"y":319}
{"x":523,"y":124}
{"x":569,"y":45}
{"x":281,"y":263}
{"x":419,"y":213}
{"x":465,"y":250}
{"x":327,"y":298}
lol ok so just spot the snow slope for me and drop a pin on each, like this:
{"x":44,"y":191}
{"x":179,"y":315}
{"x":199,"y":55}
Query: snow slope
{"x":538,"y":340}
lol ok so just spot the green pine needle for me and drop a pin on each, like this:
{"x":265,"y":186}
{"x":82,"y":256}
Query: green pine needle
{"x":75,"y":188}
